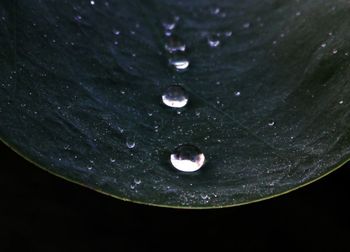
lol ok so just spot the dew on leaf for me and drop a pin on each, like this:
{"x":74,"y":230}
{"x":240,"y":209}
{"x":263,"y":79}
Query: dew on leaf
{"x":187,"y":158}
{"x":175,"y":96}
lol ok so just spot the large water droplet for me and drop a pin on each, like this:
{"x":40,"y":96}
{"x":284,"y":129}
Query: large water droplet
{"x":175,"y":96}
{"x":187,"y":158}
{"x":179,"y":63}
{"x":174,"y":44}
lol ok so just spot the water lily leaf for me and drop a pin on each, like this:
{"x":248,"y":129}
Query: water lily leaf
{"x":267,"y":84}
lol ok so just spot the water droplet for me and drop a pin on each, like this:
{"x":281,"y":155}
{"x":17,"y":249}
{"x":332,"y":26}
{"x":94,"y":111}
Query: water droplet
{"x":175,"y":96}
{"x":137,"y":181}
{"x":112,"y":160}
{"x":92,"y":2}
{"x":228,"y":33}
{"x":335,"y":51}
{"x":246,"y":25}
{"x":215,"y":10}
{"x":116,"y":32}
{"x":204,"y":196}
{"x":174,"y":44}
{"x":323,"y":45}
{"x":169,"y":26}
{"x":78,"y":18}
{"x":341,"y":102}
{"x":213,"y":40}
{"x":130,"y":142}
{"x":271,"y":123}
{"x":187,"y":158}
{"x":237,"y":93}
{"x":179,"y":63}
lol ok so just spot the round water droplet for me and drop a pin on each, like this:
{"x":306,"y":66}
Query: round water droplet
{"x":130,"y":143}
{"x":214,"y":10}
{"x":271,"y":123}
{"x":246,"y":25}
{"x":179,"y":63}
{"x":175,"y":96}
{"x":237,"y":93}
{"x":187,"y":158}
{"x":174,"y":44}
{"x":228,"y":33}
{"x":169,"y":25}
{"x":213,"y":40}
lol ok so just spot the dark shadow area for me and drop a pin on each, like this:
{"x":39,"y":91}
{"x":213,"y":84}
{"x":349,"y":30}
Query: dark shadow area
{"x":40,"y":212}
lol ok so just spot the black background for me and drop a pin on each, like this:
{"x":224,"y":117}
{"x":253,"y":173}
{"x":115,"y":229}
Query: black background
{"x":40,"y":212}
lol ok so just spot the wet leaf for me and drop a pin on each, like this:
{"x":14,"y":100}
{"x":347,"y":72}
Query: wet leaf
{"x":267,"y":84}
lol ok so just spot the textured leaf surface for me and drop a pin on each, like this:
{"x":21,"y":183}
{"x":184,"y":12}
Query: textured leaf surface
{"x":79,"y":80}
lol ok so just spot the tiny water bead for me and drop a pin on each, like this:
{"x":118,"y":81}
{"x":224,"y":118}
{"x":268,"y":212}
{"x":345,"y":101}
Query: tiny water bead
{"x":175,"y":96}
{"x":179,"y":63}
{"x":130,"y":142}
{"x":213,"y":40}
{"x":187,"y":158}
{"x":271,"y":123}
{"x":174,"y":44}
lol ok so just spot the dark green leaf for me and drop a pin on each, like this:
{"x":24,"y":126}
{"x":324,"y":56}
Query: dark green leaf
{"x":268,"y":106}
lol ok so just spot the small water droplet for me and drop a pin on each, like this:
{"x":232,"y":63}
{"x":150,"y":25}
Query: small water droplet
{"x":116,"y":32}
{"x":187,"y":158}
{"x":341,"y":102}
{"x":112,"y":160}
{"x":174,"y":44}
{"x":271,"y":123}
{"x":92,"y":2}
{"x":137,"y":181}
{"x":323,"y":45}
{"x":335,"y":51}
{"x":78,"y":18}
{"x":228,"y":33}
{"x":175,"y":96}
{"x":130,"y":142}
{"x":179,"y":63}
{"x":213,"y":40}
{"x":215,"y":10}
{"x":169,"y":26}
{"x":237,"y":93}
{"x":246,"y":25}
{"x":204,"y":196}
